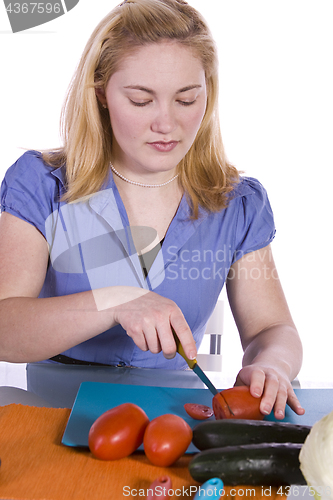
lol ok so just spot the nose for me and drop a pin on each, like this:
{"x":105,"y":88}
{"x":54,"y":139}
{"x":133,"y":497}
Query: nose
{"x":164,"y":122}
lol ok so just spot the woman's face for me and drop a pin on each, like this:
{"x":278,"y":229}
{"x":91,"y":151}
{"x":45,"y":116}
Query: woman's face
{"x":156,"y":100}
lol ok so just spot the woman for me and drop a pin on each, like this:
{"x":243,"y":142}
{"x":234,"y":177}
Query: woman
{"x":131,"y":228}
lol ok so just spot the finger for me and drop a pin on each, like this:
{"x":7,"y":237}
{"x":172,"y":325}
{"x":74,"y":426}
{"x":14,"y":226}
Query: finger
{"x":153,"y":343}
{"x":257,"y":383}
{"x":254,"y":378}
{"x":138,"y":337}
{"x":294,"y":403}
{"x":280,"y":403}
{"x":270,"y":394}
{"x":167,"y":341}
{"x":151,"y":337}
{"x":139,"y":340}
{"x":184,"y":334}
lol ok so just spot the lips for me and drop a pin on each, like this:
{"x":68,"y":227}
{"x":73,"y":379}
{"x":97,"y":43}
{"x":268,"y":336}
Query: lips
{"x":163,"y":147}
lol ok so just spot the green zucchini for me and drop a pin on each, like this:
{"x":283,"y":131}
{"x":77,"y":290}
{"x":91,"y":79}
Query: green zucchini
{"x":271,"y":464}
{"x":229,"y":432}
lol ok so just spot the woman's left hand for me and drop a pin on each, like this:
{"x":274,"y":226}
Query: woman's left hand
{"x":271,"y":344}
{"x":274,"y":387}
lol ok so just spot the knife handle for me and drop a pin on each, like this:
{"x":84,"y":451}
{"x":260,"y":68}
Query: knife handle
{"x":191,"y":362}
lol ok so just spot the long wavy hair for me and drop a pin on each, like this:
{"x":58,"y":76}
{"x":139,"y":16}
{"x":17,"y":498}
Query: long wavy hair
{"x":204,"y":173}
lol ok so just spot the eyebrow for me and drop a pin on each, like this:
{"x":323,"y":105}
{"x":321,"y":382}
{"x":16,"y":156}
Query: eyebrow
{"x":150,"y":91}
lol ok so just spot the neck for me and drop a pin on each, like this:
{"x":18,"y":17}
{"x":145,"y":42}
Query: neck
{"x":140,"y":184}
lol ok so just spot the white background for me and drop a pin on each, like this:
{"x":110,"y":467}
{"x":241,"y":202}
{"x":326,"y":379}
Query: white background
{"x":277,"y":123}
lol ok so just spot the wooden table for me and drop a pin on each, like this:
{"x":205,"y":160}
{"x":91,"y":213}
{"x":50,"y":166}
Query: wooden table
{"x":36,"y":466}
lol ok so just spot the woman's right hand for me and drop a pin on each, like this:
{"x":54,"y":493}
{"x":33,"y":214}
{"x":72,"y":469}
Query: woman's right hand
{"x":148,"y":317}
{"x":34,"y":329}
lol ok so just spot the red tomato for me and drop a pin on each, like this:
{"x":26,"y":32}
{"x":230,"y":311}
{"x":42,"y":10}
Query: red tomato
{"x":199,"y":412}
{"x":237,"y":402}
{"x":166,"y":439}
{"x":118,"y":432}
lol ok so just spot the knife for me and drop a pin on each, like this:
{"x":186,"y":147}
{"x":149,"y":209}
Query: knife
{"x":193,"y":364}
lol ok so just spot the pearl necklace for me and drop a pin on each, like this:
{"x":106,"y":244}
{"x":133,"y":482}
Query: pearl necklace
{"x":139,"y":183}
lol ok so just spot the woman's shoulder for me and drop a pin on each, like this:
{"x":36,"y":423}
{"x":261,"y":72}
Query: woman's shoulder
{"x":251,"y":195}
{"x":31,"y":189}
{"x":254,"y":226}
{"x":249,"y":200}
{"x":31,"y":168}
{"x":248,"y":186}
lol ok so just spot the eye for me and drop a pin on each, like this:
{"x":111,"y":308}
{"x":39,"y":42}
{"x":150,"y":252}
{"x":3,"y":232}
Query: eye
{"x":187,"y":103}
{"x":139,"y":103}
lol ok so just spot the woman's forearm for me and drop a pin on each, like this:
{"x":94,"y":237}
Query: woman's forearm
{"x":279,"y":347}
{"x":33,"y":329}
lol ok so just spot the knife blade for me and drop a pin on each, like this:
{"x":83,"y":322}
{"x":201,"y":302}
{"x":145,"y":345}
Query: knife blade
{"x":193,"y":364}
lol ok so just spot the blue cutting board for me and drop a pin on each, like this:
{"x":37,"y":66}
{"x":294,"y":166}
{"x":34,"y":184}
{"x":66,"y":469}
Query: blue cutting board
{"x":94,"y":398}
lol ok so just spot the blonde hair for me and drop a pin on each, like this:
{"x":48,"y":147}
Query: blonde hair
{"x":204,"y":173}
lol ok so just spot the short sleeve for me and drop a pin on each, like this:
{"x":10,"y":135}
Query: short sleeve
{"x":255,"y":227}
{"x":28,"y":190}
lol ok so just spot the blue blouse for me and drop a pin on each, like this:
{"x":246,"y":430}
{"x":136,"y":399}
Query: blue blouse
{"x":91,"y":247}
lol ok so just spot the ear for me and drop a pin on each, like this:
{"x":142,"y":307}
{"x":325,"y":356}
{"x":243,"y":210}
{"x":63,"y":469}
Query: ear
{"x":100,"y":94}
